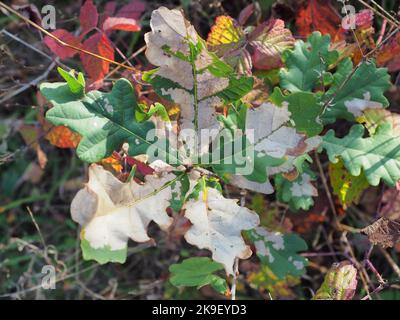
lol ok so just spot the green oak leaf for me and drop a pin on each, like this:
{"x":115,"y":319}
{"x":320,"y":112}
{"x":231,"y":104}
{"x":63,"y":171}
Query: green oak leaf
{"x":351,"y":93}
{"x":378,"y":156}
{"x":307,"y":63}
{"x":279,"y":251}
{"x":305,"y":109}
{"x":299,"y":192}
{"x":104,"y":120}
{"x":198,"y":272}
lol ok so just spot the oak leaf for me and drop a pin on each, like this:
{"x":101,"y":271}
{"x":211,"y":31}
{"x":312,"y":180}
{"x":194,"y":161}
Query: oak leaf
{"x":217,"y":225}
{"x":110,"y":212}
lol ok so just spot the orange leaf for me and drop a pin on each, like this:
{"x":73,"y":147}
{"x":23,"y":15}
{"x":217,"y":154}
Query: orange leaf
{"x":224,"y":31}
{"x":113,"y":163}
{"x":63,"y":137}
{"x":319,"y":15}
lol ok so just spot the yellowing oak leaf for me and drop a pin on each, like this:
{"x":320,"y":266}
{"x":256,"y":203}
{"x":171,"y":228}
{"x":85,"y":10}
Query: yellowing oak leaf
{"x":347,"y":187}
{"x":110,"y":212}
{"x":217,"y":225}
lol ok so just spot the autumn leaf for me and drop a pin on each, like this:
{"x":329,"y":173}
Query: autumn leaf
{"x":119,"y":23}
{"x":126,"y":19}
{"x":217,"y":224}
{"x":101,"y":45}
{"x":261,"y":46}
{"x":189,"y":74}
{"x":110,"y":212}
{"x":62,"y":51}
{"x":346,"y":187}
{"x":113,"y":163}
{"x":319,"y":15}
{"x":340,"y":283}
{"x":88,"y":17}
{"x":269,"y":40}
{"x":272,"y":144}
{"x":384,"y":232}
{"x":389,"y":55}
{"x":63,"y":137}
{"x":225,"y":31}
{"x":299,"y":192}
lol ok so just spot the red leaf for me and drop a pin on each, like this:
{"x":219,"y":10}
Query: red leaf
{"x":143,"y":168}
{"x":88,"y":17}
{"x":364,"y":18}
{"x":118,"y":23}
{"x":269,"y":40}
{"x":389,"y":54}
{"x":132,"y":10}
{"x":95,"y":67}
{"x":318,"y":15}
{"x":109,"y":11}
{"x":59,"y":50}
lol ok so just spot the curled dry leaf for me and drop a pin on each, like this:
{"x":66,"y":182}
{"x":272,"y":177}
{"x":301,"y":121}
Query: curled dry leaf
{"x":110,"y":212}
{"x":217,"y":225}
{"x":383,"y":232}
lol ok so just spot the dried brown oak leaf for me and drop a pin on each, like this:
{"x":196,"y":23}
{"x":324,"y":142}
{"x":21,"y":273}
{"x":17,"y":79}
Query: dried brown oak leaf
{"x":383,"y":232}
